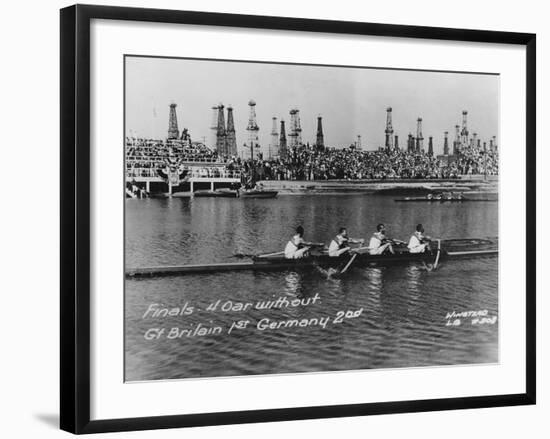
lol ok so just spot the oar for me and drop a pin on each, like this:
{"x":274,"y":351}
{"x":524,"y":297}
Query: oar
{"x":398,"y":241}
{"x":316,"y":244}
{"x":241,"y":255}
{"x":438,"y":253}
{"x":271,"y":254}
{"x":434,"y":266}
{"x":252,"y":255}
{"x":349,"y":263}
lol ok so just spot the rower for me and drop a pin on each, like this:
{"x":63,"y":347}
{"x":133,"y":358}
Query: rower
{"x":419,"y":243}
{"x":379,"y":243}
{"x":297,"y":248}
{"x":340,"y":244}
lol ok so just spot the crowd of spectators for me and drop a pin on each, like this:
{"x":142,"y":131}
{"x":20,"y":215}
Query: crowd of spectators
{"x":474,"y":160}
{"x":353,"y":164}
{"x":148,"y":153}
{"x":145,"y":156}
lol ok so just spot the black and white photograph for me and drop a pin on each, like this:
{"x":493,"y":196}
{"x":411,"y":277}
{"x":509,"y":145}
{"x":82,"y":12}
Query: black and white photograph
{"x":267,"y":220}
{"x":295,"y":218}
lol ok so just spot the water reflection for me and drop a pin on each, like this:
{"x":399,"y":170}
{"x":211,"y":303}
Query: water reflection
{"x":414,"y":273}
{"x":293,"y":285}
{"x":375,"y":278}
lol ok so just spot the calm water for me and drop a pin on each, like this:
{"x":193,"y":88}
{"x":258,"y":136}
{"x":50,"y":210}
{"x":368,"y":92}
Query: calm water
{"x":396,"y":316}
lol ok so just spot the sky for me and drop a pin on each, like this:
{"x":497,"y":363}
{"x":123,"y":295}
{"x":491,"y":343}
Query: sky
{"x":352,"y":101}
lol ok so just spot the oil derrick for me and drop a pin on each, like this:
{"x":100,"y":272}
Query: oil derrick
{"x":494,"y":143}
{"x":282,"y":142}
{"x":230,"y":138}
{"x":214,"y":127}
{"x":464,"y":134}
{"x":410,"y":143}
{"x":456,"y":143}
{"x":396,"y":143}
{"x":430,"y":146}
{"x":419,"y":137}
{"x":274,"y":143}
{"x":320,"y":141}
{"x":358,"y":143}
{"x":220,"y":132}
{"x":389,"y":129}
{"x":475,"y":140}
{"x":253,"y":129}
{"x":295,"y":135}
{"x":446,"y":144}
{"x":173,"y":132}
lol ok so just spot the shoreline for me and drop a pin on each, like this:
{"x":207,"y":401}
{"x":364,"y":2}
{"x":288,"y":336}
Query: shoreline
{"x":391,"y":187}
{"x":470,"y":185}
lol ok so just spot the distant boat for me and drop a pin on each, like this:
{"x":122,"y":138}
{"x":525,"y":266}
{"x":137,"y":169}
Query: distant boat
{"x":218,"y":193}
{"x":257,"y":193}
{"x":433,"y":200}
{"x":446,"y":197}
{"x":159,"y":195}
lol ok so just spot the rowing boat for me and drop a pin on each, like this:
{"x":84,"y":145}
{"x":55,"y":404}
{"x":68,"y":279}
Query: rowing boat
{"x":257,"y":193}
{"x":218,"y":193}
{"x":442,"y":200}
{"x":448,"y":249}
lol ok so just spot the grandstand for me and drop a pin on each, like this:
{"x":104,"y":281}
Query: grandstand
{"x":175,"y":165}
{"x":179,"y":165}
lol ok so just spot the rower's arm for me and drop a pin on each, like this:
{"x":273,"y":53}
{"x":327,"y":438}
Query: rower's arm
{"x":356,"y":241}
{"x":314,"y":244}
{"x":397,"y":241}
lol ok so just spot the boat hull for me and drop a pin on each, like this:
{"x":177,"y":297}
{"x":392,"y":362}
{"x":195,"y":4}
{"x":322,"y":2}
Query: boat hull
{"x":258,"y":194}
{"x":434,"y":200}
{"x":215,"y":194}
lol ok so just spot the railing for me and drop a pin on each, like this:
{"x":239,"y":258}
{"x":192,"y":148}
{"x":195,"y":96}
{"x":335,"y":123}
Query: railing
{"x":141,"y":172}
{"x":216,"y":173}
{"x":220,"y":161}
{"x":188,"y":159}
{"x":206,"y":173}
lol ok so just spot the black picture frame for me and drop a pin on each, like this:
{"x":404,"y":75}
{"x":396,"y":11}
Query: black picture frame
{"x":75,"y":217}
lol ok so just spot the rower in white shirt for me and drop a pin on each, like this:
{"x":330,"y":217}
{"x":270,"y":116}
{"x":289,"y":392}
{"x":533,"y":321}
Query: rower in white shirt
{"x":419,"y":243}
{"x":297,"y":248}
{"x":340,"y":244}
{"x":379,"y":243}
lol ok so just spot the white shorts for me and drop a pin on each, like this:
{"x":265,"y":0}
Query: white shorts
{"x":418,"y":249}
{"x":377,"y":250}
{"x":296,"y":254}
{"x":336,"y":253}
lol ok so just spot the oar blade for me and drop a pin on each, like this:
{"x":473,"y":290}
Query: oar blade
{"x":348,"y":264}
